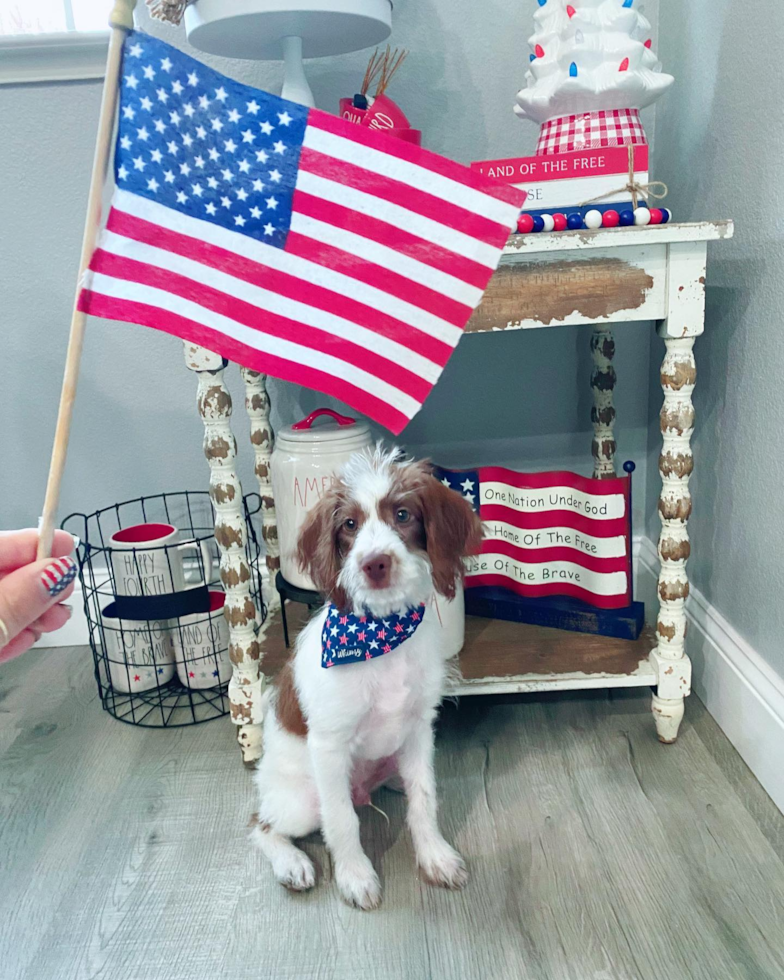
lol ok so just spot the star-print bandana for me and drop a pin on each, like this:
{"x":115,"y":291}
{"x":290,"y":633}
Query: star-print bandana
{"x":349,"y":639}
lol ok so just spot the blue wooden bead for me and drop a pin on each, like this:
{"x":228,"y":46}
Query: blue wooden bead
{"x":532,"y":57}
{"x":542,"y":2}
{"x":574,"y":221}
{"x":666,"y":215}
{"x":626,"y":217}
{"x":628,"y":3}
{"x":538,"y":222}
{"x":573,"y":70}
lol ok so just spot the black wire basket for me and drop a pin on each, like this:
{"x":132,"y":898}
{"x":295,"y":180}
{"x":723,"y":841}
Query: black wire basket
{"x":154,"y":606}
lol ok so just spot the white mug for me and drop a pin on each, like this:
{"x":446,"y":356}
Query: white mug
{"x":143,"y":566}
{"x":201,"y":646}
{"x":140,"y":654}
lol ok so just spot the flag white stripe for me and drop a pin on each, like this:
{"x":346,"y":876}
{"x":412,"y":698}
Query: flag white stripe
{"x":547,"y":573}
{"x":265,"y":343}
{"x":267,"y":300}
{"x":281,"y":261}
{"x":398,"y":217}
{"x":388,"y":258}
{"x":412,"y":174}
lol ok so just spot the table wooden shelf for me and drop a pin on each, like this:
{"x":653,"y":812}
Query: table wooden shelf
{"x":596,"y":278}
{"x":501,"y":657}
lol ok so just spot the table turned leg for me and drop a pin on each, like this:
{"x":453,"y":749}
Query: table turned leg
{"x":247,"y":684}
{"x":678,"y":376}
{"x":603,"y":411}
{"x":257,"y":403}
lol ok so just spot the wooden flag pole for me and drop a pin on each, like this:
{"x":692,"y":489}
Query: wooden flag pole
{"x":120,"y":21}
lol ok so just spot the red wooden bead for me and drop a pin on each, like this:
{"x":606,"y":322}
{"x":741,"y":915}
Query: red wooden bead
{"x":539,"y":51}
{"x":610,"y":219}
{"x":571,"y":11}
{"x":624,"y":65}
{"x":649,"y":42}
{"x":559,"y":222}
{"x":656,"y":216}
{"x":525,"y":224}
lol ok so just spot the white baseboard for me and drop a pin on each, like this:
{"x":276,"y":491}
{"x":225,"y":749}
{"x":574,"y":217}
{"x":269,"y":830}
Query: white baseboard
{"x":742,"y":692}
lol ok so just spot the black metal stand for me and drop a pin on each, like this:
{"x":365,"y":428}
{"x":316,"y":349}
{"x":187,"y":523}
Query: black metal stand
{"x":293,"y":593}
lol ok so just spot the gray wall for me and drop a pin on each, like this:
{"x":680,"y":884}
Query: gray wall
{"x":517,"y":398}
{"x":722,"y":153}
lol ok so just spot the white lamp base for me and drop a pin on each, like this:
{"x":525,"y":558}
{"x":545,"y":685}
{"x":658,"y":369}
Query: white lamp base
{"x":271,"y":30}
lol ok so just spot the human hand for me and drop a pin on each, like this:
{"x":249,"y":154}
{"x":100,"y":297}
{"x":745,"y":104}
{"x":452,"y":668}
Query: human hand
{"x":32,"y":592}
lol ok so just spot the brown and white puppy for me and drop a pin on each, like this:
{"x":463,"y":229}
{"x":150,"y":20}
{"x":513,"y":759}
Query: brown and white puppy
{"x":386,"y":538}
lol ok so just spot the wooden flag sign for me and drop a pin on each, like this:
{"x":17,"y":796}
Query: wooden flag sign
{"x":548,"y":534}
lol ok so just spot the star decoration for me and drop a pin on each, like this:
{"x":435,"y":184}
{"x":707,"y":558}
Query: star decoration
{"x":261,"y":156}
{"x":131,"y":81}
{"x":467,"y":484}
{"x":272,"y":203}
{"x":217,"y":125}
{"x":279,"y":147}
{"x":160,"y":125}
{"x":227,"y":175}
{"x":253,"y":107}
{"x":244,"y":167}
{"x":166,"y":64}
{"x":268,"y":229}
{"x":203,"y":101}
{"x":226,"y":202}
{"x":212,"y":183}
{"x":188,"y":109}
{"x":156,"y":156}
{"x":199,"y":161}
{"x":146,"y":104}
{"x":135,"y":50}
{"x":152,"y":184}
{"x":230,"y":146}
{"x":197,"y":190}
{"x":255,"y":212}
{"x":242,"y":194}
{"x":210,"y":208}
{"x":266,"y":128}
{"x":248,"y":136}
{"x":201,"y":132}
{"x":128,"y":112}
{"x":177,"y":87}
{"x":284,"y":118}
{"x":149,"y":72}
{"x":185,"y":169}
{"x":142,"y":134}
{"x":182,"y":197}
{"x":168,"y":176}
{"x":193,"y":78}
{"x":163,"y":95}
{"x":274,"y":175}
{"x":234,"y":116}
{"x":172,"y":147}
{"x":239,"y":220}
{"x":138,"y":163}
{"x":122,"y":173}
{"x":221,"y":94}
{"x":258,"y":185}
{"x":125,"y":142}
{"x":175,"y":117}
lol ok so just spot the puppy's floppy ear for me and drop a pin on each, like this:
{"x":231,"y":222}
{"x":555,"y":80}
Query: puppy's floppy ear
{"x":317,"y":549}
{"x":452,"y":531}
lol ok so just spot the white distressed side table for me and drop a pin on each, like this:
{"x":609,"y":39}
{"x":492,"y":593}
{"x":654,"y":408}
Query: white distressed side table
{"x":654,"y":273}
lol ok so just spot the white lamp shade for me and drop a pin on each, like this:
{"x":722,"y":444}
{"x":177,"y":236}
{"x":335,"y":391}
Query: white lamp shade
{"x":253,"y":29}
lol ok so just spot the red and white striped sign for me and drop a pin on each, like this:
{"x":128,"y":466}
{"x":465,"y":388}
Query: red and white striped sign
{"x":550,"y":533}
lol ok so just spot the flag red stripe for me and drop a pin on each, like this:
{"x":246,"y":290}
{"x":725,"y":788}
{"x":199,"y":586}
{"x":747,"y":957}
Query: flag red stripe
{"x":263,"y":321}
{"x":563,"y":588}
{"x":536,"y":556}
{"x":617,"y":526}
{"x":53,"y":579}
{"x":146,"y":315}
{"x":376,"y":275}
{"x":282,"y":283}
{"x":404,"y":195}
{"x":396,"y":147}
{"x":555,"y":478}
{"x":473,"y":273}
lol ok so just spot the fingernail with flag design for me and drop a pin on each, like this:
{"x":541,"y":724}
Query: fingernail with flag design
{"x":58,"y":575}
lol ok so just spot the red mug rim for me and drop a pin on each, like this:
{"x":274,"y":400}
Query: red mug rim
{"x":143,"y":533}
{"x":217,"y":600}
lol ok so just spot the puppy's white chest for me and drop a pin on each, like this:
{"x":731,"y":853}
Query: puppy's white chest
{"x":396,"y":702}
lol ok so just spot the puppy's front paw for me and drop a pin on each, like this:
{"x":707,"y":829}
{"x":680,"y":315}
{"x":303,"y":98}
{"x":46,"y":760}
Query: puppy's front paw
{"x":441,"y":865}
{"x":359,"y":884}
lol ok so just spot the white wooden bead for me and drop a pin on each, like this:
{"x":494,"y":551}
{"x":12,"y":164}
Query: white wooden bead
{"x":549,"y":222}
{"x":593,"y":219}
{"x":642,"y":216}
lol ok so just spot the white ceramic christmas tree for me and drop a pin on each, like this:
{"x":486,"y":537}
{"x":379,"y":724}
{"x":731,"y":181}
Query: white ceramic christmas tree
{"x":589,"y":58}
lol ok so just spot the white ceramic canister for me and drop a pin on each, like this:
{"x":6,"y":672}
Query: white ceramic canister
{"x":305,"y":461}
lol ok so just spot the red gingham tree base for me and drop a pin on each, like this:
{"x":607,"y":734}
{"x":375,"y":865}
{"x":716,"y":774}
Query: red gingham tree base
{"x":591,"y":130}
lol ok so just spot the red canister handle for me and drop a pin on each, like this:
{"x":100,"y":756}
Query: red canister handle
{"x":308,"y":422}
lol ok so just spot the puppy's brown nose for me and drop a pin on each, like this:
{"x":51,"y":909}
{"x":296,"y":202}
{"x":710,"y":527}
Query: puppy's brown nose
{"x":377,"y":569}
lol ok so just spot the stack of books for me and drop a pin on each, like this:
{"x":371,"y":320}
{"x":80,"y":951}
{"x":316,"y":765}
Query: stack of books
{"x":569,"y":183}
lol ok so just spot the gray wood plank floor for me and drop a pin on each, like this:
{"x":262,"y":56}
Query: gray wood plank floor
{"x":595,"y":852}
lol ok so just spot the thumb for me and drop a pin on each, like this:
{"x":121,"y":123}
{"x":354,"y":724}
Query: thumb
{"x":28,"y":592}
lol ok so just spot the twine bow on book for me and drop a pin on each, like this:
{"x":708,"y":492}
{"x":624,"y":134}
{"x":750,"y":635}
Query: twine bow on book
{"x":655,"y":190}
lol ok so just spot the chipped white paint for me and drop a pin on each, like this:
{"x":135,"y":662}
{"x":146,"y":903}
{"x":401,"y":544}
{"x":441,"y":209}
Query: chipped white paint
{"x":678,"y":376}
{"x":520,"y":247}
{"x":685,"y":313}
{"x":603,"y":411}
{"x":643,"y":676}
{"x":200,"y":359}
{"x":246,"y":685}
{"x":257,"y":405}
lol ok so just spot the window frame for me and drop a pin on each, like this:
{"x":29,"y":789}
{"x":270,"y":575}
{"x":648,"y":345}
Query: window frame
{"x":66,"y":56}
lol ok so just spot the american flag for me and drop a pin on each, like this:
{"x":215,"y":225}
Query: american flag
{"x":291,"y":241}
{"x":554,"y":533}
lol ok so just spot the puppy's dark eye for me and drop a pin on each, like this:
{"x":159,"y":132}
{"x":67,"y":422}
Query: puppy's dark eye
{"x":350,"y":524}
{"x":402,"y":516}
